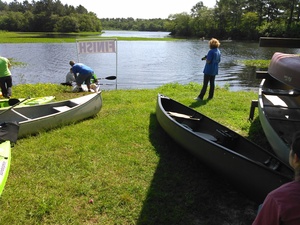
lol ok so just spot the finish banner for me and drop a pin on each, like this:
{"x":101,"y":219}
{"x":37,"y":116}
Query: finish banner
{"x":96,"y":46}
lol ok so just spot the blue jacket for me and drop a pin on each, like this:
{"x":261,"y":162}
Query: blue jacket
{"x":214,"y":58}
{"x":82,"y":69}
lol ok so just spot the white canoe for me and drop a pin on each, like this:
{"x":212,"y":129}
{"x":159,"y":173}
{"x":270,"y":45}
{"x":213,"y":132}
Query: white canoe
{"x":37,"y":118}
{"x":279,"y":114}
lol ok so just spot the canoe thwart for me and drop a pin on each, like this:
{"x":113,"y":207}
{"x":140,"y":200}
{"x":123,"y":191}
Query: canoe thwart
{"x":181,"y":115}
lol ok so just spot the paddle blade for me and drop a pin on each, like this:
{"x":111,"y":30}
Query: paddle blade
{"x":110,"y":78}
{"x":13,"y":101}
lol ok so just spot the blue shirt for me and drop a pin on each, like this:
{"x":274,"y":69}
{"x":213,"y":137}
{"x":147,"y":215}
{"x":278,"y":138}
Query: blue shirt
{"x":214,"y":56}
{"x":82,"y":69}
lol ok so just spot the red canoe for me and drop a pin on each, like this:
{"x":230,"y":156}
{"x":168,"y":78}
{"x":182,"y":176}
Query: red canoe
{"x":286,"y":69}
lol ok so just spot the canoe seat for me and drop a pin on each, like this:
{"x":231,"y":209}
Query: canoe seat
{"x":206,"y":136}
{"x":272,"y":163}
{"x":227,"y":139}
{"x":61,"y":108}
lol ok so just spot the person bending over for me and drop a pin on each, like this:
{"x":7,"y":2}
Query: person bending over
{"x":82,"y":73}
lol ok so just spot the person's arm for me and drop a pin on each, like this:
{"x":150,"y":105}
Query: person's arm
{"x":209,"y":57}
{"x":73,"y":70}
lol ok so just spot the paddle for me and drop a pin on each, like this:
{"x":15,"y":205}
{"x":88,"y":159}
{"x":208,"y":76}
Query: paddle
{"x":13,"y":101}
{"x":18,"y":103}
{"x":108,"y":78}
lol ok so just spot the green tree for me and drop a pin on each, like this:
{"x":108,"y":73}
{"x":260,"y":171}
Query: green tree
{"x":248,"y":26}
{"x":12,"y":21}
{"x":179,"y":25}
{"x":67,"y":24}
{"x":89,"y":22}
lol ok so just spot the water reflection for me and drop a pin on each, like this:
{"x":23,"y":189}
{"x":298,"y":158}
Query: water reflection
{"x":140,"y":64}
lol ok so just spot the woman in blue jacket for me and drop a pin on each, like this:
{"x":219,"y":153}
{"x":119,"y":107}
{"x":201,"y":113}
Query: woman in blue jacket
{"x":211,"y":69}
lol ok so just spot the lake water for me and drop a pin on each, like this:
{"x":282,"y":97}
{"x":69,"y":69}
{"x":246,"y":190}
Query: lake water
{"x":140,"y":64}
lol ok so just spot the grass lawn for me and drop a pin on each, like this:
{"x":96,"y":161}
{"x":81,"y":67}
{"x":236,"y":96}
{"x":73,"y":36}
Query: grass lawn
{"x":124,"y":161}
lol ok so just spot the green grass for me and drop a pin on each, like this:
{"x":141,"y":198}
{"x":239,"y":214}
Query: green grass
{"x":258,"y":63}
{"x":125,"y":162}
{"x":40,"y":37}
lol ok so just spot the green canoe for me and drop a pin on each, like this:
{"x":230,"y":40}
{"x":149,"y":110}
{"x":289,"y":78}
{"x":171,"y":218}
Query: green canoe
{"x":5,"y":157}
{"x":30,"y":101}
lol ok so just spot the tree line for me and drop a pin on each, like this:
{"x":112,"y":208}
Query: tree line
{"x":235,"y":19}
{"x":47,"y":16}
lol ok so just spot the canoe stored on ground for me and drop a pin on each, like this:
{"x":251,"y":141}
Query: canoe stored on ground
{"x":286,"y":69}
{"x":25,"y":102}
{"x":5,"y":159}
{"x":8,"y":135}
{"x":252,"y":169}
{"x":279,"y":114}
{"x":37,"y":118}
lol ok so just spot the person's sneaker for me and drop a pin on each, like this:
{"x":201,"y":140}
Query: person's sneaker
{"x":198,"y":98}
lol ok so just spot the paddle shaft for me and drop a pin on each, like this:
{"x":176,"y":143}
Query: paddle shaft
{"x":14,"y":105}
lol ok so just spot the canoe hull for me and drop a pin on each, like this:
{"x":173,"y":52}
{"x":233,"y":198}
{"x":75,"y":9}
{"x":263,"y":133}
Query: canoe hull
{"x":37,"y":118}
{"x":286,"y":69}
{"x":243,"y":167}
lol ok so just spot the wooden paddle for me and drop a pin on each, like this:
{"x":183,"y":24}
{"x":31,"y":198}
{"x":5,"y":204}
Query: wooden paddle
{"x":18,"y":103}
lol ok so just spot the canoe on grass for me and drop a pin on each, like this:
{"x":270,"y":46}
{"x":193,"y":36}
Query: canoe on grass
{"x":5,"y":159}
{"x":37,"y":118}
{"x":279,"y":114}
{"x":250,"y":168}
{"x":30,"y":101}
{"x":286,"y":69}
{"x":8,"y":135}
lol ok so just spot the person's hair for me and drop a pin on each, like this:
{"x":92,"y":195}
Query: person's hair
{"x":214,"y":43}
{"x":71,"y":63}
{"x":295,"y":146}
{"x":295,"y":149}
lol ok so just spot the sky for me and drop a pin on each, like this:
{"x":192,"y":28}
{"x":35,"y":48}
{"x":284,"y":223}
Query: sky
{"x":142,"y":9}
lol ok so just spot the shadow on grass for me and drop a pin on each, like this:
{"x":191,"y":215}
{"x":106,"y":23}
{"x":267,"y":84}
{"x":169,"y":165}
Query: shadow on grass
{"x":257,"y":135}
{"x":184,"y":191}
{"x":199,"y":103}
